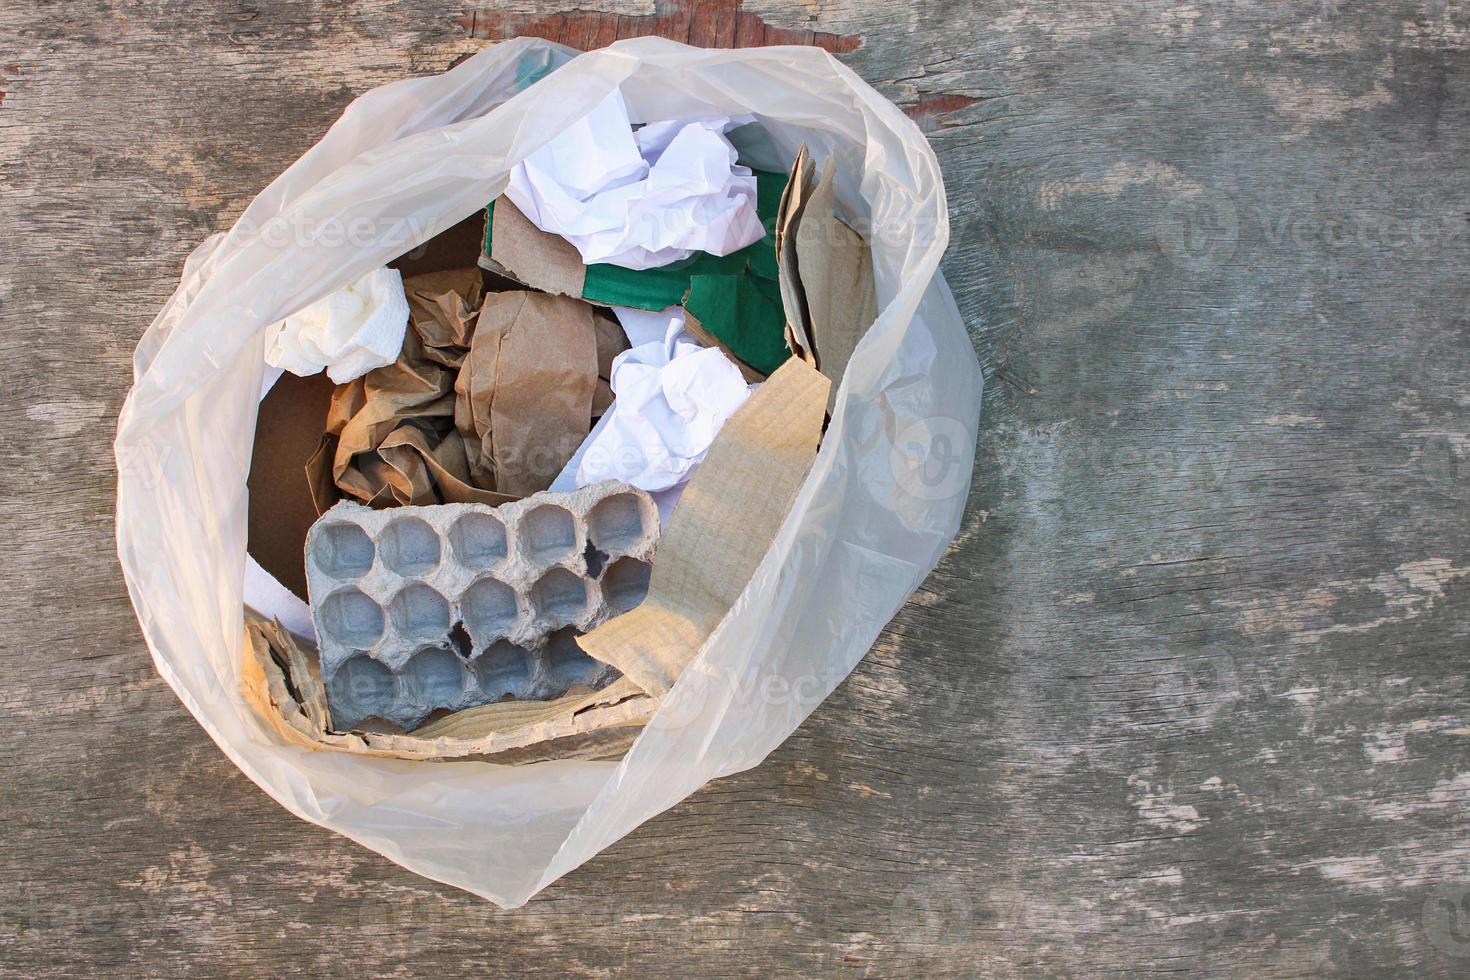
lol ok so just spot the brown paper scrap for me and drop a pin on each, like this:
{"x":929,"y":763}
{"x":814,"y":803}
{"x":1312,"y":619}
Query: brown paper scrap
{"x":281,"y":681}
{"x":442,"y":307}
{"x":720,"y":530}
{"x":525,"y":392}
{"x":390,"y":437}
{"x":611,"y":341}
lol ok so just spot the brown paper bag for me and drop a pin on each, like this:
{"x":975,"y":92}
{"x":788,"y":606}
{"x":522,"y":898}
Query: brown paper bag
{"x":390,"y":437}
{"x":442,"y":307}
{"x":524,"y":394}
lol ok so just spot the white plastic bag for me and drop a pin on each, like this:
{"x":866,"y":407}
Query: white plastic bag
{"x":407,"y":161}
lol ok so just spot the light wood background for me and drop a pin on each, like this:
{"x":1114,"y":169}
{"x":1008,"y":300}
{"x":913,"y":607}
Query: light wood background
{"x":1187,"y":694}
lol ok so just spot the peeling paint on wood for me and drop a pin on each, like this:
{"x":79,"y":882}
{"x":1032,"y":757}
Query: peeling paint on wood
{"x":705,"y":23}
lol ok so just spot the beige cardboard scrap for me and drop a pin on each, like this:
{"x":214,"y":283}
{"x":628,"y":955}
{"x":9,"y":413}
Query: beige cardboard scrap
{"x":527,"y":254}
{"x":793,"y":201}
{"x":281,"y":680}
{"x":836,"y":267}
{"x":720,"y":530}
{"x":525,"y":391}
{"x":826,"y":269}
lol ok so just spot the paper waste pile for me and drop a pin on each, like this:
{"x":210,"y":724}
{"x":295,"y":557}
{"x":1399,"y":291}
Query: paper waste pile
{"x":550,"y":449}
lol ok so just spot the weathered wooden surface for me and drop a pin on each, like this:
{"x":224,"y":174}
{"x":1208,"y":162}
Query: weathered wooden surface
{"x":1188,"y":694}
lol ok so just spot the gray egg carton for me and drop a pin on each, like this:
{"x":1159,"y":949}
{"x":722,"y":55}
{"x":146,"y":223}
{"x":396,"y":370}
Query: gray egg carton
{"x":456,"y":605}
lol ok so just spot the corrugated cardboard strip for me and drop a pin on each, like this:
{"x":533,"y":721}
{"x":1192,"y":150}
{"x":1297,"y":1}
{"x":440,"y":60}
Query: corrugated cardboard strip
{"x":281,"y":680}
{"x":720,"y":530}
{"x":527,"y":254}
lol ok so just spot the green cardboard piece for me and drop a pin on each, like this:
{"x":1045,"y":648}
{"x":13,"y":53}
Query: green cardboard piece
{"x":735,"y":297}
{"x":745,"y":314}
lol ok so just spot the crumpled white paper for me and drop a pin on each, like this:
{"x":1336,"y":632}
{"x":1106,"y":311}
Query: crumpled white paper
{"x":673,"y":395}
{"x":350,"y":332}
{"x":640,"y":200}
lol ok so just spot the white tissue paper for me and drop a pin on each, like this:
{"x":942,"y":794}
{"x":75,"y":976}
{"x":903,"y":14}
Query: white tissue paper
{"x":350,"y":332}
{"x":640,"y":200}
{"x":672,"y":398}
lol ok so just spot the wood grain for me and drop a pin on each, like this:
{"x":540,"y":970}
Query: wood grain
{"x":1188,"y":693}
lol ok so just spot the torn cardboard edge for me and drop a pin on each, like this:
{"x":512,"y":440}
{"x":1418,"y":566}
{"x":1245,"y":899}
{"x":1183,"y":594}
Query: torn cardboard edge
{"x":827,"y":286}
{"x":281,"y":680}
{"x":793,"y":201}
{"x":721,"y":529}
{"x":517,"y":249}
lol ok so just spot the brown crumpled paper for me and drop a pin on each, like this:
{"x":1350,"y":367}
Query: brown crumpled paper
{"x":525,"y":391}
{"x":720,"y":530}
{"x":390,"y":436}
{"x":399,"y":436}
